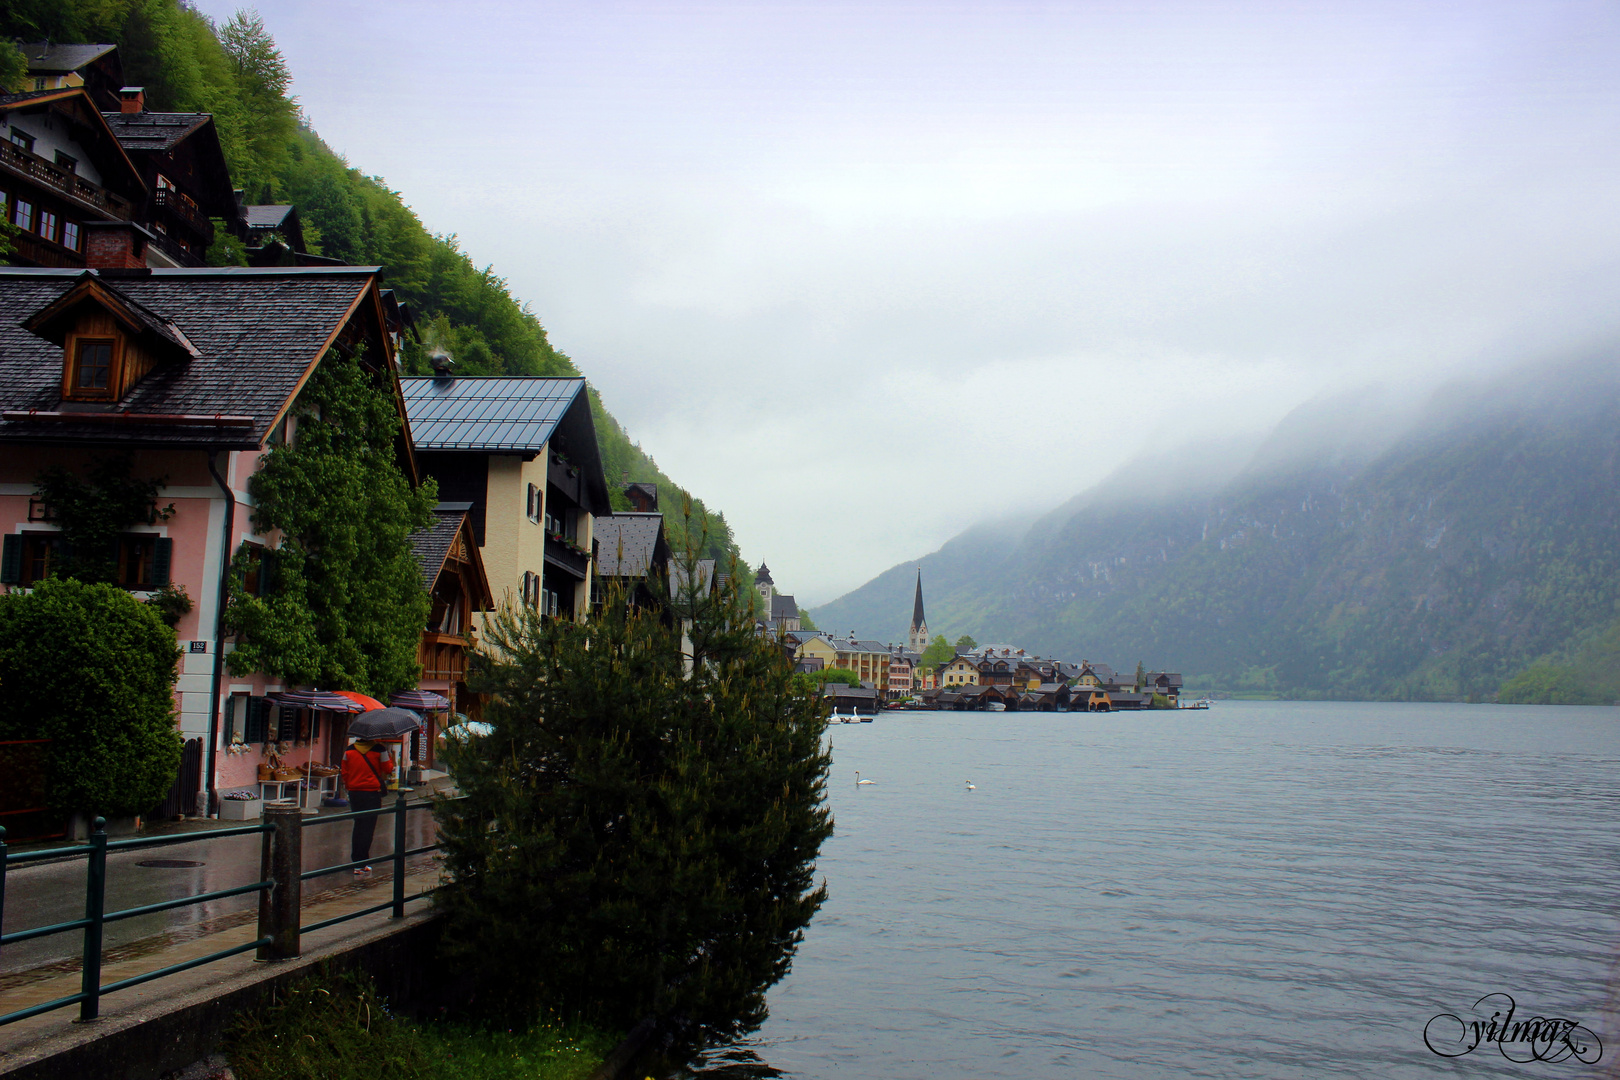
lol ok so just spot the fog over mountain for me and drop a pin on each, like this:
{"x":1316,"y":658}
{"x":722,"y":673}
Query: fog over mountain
{"x":1369,"y":546}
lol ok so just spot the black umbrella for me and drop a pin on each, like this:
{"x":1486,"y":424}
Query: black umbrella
{"x":384,"y":724}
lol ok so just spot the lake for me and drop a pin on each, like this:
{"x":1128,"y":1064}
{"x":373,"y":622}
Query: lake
{"x":1265,"y":889}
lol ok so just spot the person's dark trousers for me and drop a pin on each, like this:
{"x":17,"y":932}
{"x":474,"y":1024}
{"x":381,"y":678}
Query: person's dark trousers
{"x":364,"y":827}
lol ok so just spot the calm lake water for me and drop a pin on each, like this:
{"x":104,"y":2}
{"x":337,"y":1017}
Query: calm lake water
{"x":1265,"y":889}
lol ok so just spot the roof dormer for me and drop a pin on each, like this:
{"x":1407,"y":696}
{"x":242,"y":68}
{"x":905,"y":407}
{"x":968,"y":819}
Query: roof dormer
{"x":108,"y":340}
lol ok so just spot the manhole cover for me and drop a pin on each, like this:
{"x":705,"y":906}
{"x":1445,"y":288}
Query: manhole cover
{"x":169,"y":864}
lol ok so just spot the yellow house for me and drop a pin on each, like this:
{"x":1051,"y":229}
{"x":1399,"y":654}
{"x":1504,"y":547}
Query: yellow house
{"x":959,"y":672}
{"x":522,"y":451}
{"x":817,"y":648}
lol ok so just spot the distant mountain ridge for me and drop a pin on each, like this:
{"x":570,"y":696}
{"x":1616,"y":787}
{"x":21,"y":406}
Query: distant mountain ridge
{"x":1363,"y":551}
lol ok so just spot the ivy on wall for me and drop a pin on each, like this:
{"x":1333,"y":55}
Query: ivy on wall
{"x":93,"y":511}
{"x":342,"y":605}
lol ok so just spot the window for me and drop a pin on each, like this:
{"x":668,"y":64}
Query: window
{"x":92,"y":368}
{"x":40,"y":81}
{"x":71,"y":164}
{"x":70,"y":235}
{"x":536,"y":503}
{"x":259,"y":577}
{"x":143,"y":561}
{"x":531,"y":589}
{"x":256,"y":720}
{"x":47,"y":224}
{"x":40,"y":553}
{"x":21,"y":138}
{"x":22,"y":214}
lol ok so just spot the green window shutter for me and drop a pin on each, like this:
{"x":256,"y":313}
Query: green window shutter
{"x":267,"y":572}
{"x":162,"y":556}
{"x":230,"y":718}
{"x":11,"y":560}
{"x":258,"y":719}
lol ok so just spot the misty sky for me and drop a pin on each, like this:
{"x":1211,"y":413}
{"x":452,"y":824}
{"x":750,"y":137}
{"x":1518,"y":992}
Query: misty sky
{"x":863,"y":274}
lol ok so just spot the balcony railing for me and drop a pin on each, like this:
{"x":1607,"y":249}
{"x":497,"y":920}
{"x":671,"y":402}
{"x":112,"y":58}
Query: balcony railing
{"x":443,"y":656}
{"x":179,"y":206}
{"x":563,"y":555}
{"x":68,"y":183}
{"x":36,"y":252}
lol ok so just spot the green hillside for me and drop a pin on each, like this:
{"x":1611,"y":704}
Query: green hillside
{"x":1478,"y":548}
{"x":235,"y":72}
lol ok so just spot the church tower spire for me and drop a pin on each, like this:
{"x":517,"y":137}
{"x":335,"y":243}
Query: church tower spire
{"x":917,"y":640}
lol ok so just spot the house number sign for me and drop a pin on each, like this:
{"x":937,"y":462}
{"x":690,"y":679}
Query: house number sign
{"x":199,"y":646}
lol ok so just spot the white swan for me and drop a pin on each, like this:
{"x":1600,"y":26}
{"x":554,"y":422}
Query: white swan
{"x":971,"y":787}
{"x":859,"y":781}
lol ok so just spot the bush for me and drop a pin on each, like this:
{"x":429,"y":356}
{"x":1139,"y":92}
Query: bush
{"x":635,"y":841}
{"x":334,"y":1026}
{"x":92,"y":668}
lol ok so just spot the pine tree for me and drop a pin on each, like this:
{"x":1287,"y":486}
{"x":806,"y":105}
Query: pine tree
{"x":640,"y":829}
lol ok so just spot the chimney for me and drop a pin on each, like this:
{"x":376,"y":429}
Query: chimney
{"x":132,"y":99}
{"x":114,"y":245}
{"x":440,"y":362}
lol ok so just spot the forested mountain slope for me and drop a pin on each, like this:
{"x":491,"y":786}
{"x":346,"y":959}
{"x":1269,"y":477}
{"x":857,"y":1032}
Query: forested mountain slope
{"x":1433,"y":563}
{"x":235,"y":71}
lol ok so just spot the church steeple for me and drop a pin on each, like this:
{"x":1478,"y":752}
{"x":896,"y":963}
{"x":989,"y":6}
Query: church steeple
{"x":917,"y":640}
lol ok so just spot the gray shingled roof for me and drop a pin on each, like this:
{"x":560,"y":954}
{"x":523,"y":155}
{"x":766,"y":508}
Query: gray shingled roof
{"x":45,"y":58}
{"x":267,"y":217}
{"x":703,"y":569}
{"x":153,"y":130}
{"x":625,"y":543}
{"x":784,"y":606}
{"x":431,"y":546}
{"x":256,"y":332}
{"x":518,"y":413}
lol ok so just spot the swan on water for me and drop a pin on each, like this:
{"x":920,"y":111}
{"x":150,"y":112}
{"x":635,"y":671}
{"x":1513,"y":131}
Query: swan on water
{"x":971,"y":787}
{"x":859,"y":781}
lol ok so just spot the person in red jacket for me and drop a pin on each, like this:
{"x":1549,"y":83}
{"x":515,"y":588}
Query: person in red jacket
{"x":365,"y":769}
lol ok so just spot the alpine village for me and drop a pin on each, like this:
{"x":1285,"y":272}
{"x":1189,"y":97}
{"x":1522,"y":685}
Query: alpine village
{"x":228,"y":438}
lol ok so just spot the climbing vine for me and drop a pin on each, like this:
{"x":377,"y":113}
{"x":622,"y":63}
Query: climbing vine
{"x":93,"y":511}
{"x":339,"y":603}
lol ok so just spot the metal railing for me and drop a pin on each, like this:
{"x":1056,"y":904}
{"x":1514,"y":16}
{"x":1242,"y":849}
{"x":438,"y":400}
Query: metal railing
{"x":280,"y":889}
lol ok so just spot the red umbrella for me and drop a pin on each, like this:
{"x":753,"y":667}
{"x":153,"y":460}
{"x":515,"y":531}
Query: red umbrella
{"x":367,"y":703}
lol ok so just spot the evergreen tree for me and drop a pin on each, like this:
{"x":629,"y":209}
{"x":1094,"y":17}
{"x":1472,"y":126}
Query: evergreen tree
{"x":640,"y":829}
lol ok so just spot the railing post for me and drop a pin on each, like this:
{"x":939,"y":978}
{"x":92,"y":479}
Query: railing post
{"x":2,"y":875}
{"x":399,"y":856}
{"x":281,"y":862}
{"x":95,"y":904}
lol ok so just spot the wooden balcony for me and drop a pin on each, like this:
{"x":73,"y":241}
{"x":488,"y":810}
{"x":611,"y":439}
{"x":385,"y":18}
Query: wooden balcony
{"x":179,"y":207}
{"x":443,"y":656}
{"x":34,"y":251}
{"x":19,"y":161}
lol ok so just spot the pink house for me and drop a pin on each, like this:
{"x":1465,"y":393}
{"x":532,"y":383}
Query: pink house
{"x":192,"y":374}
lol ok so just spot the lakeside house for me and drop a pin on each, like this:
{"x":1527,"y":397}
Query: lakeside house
{"x":193,"y":375}
{"x":522,"y":452}
{"x":453,"y":575}
{"x":633,"y":557}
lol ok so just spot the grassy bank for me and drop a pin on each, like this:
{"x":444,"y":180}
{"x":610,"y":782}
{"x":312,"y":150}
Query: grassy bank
{"x":337,"y":1028}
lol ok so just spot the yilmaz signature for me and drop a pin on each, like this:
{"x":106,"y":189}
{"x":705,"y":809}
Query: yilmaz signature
{"x":1539,"y":1038}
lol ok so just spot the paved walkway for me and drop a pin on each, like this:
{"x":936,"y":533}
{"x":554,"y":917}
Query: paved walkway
{"x":19,"y":990}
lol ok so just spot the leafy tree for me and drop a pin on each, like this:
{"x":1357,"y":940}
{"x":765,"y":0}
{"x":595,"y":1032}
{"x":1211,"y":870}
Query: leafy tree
{"x":806,"y":622}
{"x":13,"y":67}
{"x":635,"y":840}
{"x":347,"y":606}
{"x":966,"y":643}
{"x":1141,"y":676}
{"x":938,"y":653}
{"x":93,"y":669}
{"x":835,"y":675}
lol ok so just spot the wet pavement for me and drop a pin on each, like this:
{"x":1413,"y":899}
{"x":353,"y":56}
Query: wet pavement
{"x":52,"y":892}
